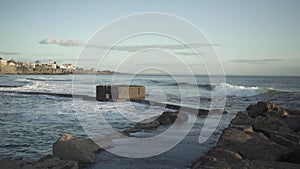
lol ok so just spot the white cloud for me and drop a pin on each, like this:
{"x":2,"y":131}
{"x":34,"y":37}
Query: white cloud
{"x":60,"y":42}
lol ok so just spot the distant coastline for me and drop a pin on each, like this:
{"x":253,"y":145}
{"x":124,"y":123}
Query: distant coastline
{"x":14,"y":67}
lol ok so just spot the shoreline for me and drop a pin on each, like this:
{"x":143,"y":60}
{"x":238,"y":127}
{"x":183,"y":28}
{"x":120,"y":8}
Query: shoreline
{"x":263,"y":136}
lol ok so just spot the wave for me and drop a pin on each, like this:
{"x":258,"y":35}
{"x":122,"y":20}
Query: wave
{"x":47,"y":79}
{"x":203,"y":86}
{"x":242,"y":91}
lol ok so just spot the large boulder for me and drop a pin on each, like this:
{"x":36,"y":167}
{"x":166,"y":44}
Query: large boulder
{"x":242,"y":118}
{"x":261,"y":149}
{"x":234,"y":159}
{"x":264,"y":108}
{"x":293,"y":121}
{"x":232,"y":138}
{"x":68,"y":147}
{"x":270,"y":124}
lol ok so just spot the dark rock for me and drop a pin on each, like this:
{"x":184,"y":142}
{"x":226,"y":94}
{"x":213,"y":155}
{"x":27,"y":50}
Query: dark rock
{"x":168,"y":118}
{"x":293,"y":121}
{"x":11,"y":163}
{"x":293,"y":157}
{"x":242,"y":118}
{"x":269,"y":124}
{"x":293,"y":112}
{"x":232,"y":138}
{"x":254,"y":149}
{"x":246,"y":128}
{"x":280,"y":139}
{"x":209,"y":162}
{"x":68,"y":147}
{"x":263,"y":108}
{"x":202,"y":112}
{"x":263,"y":137}
{"x":53,"y":163}
{"x":131,"y":130}
{"x":261,"y":164}
{"x":147,"y":124}
{"x":234,"y":159}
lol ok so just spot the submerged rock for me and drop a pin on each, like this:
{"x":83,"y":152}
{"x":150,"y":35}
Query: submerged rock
{"x":53,"y":163}
{"x":167,"y":118}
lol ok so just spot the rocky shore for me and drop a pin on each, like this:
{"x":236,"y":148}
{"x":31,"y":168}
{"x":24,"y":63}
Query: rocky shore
{"x":68,"y":152}
{"x":264,"y":136}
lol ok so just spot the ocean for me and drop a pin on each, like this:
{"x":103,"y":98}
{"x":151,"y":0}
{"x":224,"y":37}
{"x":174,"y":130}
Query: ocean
{"x":31,"y":123}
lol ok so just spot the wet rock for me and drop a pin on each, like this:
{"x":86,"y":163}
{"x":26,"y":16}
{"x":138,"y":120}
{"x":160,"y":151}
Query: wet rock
{"x":261,"y":149}
{"x":209,"y":162}
{"x":265,"y":136}
{"x":234,"y":159}
{"x":232,"y":138}
{"x":53,"y":163}
{"x":147,"y":124}
{"x":268,"y":125}
{"x":293,"y":157}
{"x":202,"y":112}
{"x":68,"y":147}
{"x":261,"y":164}
{"x":264,"y":108}
{"x":242,"y":118}
{"x":6,"y":163}
{"x":280,"y":139}
{"x":246,"y":128}
{"x":293,"y":121}
{"x":167,"y":118}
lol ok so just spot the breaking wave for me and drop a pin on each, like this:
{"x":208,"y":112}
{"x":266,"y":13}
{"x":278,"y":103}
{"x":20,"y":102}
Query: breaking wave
{"x":241,"y":91}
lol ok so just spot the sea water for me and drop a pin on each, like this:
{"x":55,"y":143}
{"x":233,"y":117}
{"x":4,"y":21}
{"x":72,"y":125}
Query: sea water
{"x":31,"y":123}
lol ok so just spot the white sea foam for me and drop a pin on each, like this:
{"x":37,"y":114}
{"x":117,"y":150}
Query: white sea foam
{"x":239,"y":91}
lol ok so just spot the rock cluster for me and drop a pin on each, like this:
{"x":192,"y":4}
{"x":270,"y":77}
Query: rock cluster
{"x":263,"y":136}
{"x":68,"y":153}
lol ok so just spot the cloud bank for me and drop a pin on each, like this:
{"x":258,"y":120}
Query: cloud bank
{"x":60,"y":42}
{"x":256,"y":61}
{"x":125,"y":48}
{"x":9,"y":53}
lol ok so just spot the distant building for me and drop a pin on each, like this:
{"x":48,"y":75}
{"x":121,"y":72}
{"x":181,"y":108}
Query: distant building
{"x":120,"y":93}
{"x":12,"y":63}
{"x":67,"y":66}
{"x":50,"y":62}
{"x":54,"y":65}
{"x":32,"y":65}
{"x":38,"y":63}
{"x":3,"y":62}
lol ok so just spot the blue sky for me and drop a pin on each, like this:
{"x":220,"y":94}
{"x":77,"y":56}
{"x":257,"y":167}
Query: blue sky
{"x":258,"y":37}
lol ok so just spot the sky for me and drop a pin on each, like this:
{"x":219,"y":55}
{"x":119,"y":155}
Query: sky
{"x":258,"y":37}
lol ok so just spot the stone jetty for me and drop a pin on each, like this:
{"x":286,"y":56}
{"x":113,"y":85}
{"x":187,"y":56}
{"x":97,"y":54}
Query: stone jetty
{"x":264,"y":136}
